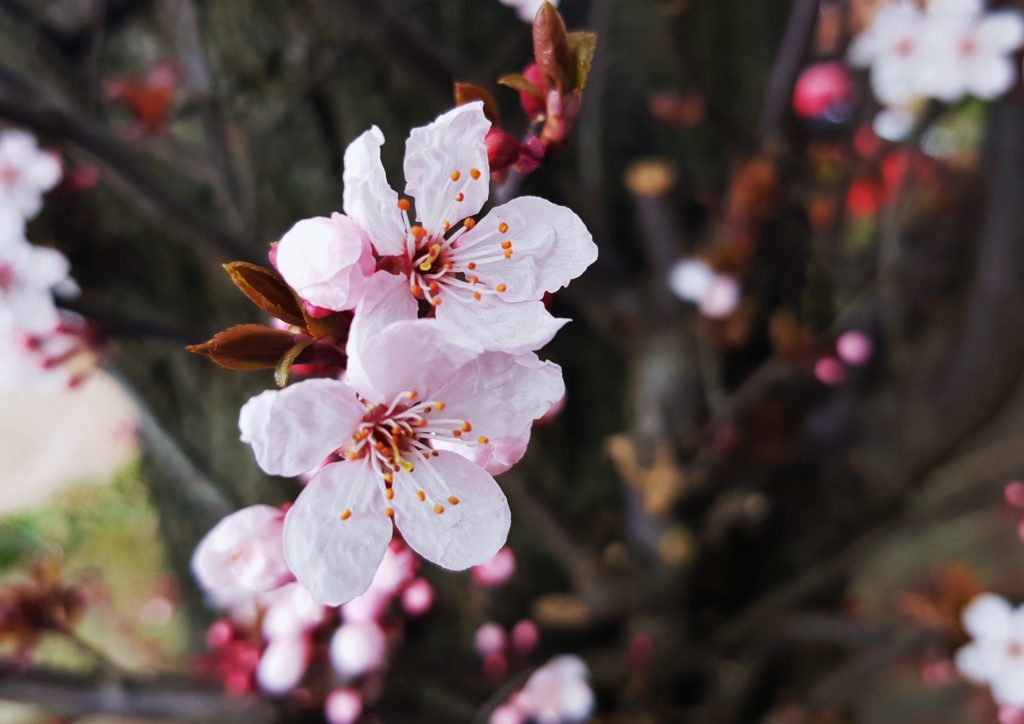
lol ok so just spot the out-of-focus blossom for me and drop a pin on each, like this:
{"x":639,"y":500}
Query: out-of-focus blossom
{"x":995,"y":655}
{"x":891,"y":47}
{"x":823,"y":90}
{"x":26,"y":172}
{"x":485,"y":279}
{"x":242,"y":555}
{"x":418,"y":597}
{"x":716,"y":295}
{"x":829,"y":371}
{"x":854,"y":348}
{"x":496,"y":571}
{"x":490,"y":639}
{"x":1013,"y":493}
{"x":343,"y":706}
{"x":527,"y":9}
{"x":291,"y":612}
{"x":525,"y":636}
{"x":559,"y":691}
{"x":358,"y":648}
{"x":283,"y":664}
{"x":895,"y":123}
{"x":29,"y":275}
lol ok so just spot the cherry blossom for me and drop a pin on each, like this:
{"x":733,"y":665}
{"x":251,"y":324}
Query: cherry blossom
{"x":484,"y":278}
{"x":343,"y":706}
{"x":891,"y":48}
{"x":242,"y":555}
{"x":557,"y":693}
{"x":29,"y":274}
{"x":419,"y":434}
{"x":358,"y":648}
{"x":26,"y":172}
{"x":283,"y":664}
{"x":527,"y":9}
{"x":497,"y":570}
{"x":995,"y":656}
{"x":716,"y":295}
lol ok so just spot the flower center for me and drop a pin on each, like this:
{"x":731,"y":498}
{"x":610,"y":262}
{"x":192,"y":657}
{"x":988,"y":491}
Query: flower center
{"x":6,"y":277}
{"x":9,"y":175}
{"x":905,"y":47}
{"x":1015,"y":649}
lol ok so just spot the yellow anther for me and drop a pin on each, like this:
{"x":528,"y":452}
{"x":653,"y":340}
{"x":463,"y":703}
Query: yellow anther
{"x":346,"y":514}
{"x":389,"y":512}
{"x":500,"y":288}
{"x":508,"y":254}
{"x":389,"y":494}
{"x":471,"y":266}
{"x":503,"y":228}
{"x":506,"y":244}
{"x":439,"y":509}
{"x":418,"y":231}
{"x":476,"y":296}
{"x":388,"y":478}
{"x":404,"y":204}
{"x":457,"y":433}
{"x":421,"y":495}
{"x":455,"y":176}
{"x":439,"y":405}
{"x":475,"y":173}
{"x":469,"y":224}
{"x":453,"y":500}
{"x":435,"y":302}
{"x":460,"y":197}
{"x":467,"y":427}
{"x":483,"y":439}
{"x":351,"y":455}
{"x":412,"y":394}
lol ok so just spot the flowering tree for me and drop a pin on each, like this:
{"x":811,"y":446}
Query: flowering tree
{"x":668,"y":371}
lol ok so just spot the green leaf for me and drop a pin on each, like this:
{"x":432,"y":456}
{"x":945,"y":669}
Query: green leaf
{"x":246,"y":347}
{"x":521,"y":83}
{"x":267,"y":290}
{"x":551,"y":47}
{"x":284,"y":366}
{"x":467,"y":93}
{"x":583,"y":46}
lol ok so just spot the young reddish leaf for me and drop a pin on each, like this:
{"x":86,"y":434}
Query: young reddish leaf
{"x":467,"y":93}
{"x":551,"y":47}
{"x":246,"y":347}
{"x":519,"y":82}
{"x":267,"y":290}
{"x":583,"y":46}
{"x":284,"y":366}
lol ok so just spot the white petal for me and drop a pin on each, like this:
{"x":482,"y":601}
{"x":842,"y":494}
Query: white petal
{"x":368,"y":198}
{"x":1008,"y":684}
{"x":336,"y":533}
{"x":386,"y":300}
{"x":491,"y":323}
{"x":893,"y":82}
{"x":327,"y":261}
{"x":292,"y":430}
{"x":988,"y":617}
{"x":445,"y":159}
{"x":980,"y":662}
{"x":990,"y":76}
{"x":501,"y":395}
{"x":466,"y":533}
{"x":550,"y":247}
{"x":44,"y":171}
{"x":282,"y":665}
{"x":1000,"y":32}
{"x":358,"y":648}
{"x":689,"y":279}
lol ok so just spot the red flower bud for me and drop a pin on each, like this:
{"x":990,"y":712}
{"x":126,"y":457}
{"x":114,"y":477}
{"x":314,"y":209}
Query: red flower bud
{"x":502,"y":149}
{"x":533,"y":106}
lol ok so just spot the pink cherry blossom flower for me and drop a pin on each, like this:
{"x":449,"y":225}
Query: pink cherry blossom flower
{"x":497,"y":570}
{"x":558,"y":692}
{"x":418,"y":597}
{"x":396,"y":569}
{"x":290,"y":612}
{"x":327,"y":261}
{"x":525,"y":636}
{"x":242,"y":555}
{"x":995,"y":656}
{"x":343,"y":706}
{"x":854,"y":348}
{"x":891,"y":47}
{"x":484,"y":278}
{"x":387,"y":421}
{"x":489,"y":639}
{"x":716,"y":295}
{"x":28,"y":276}
{"x":527,"y":9}
{"x":358,"y":648}
{"x":283,"y":664}
{"x":26,"y":172}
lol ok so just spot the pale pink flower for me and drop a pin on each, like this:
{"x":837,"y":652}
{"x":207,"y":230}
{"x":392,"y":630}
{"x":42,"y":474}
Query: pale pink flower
{"x":716,"y":295}
{"x":358,"y":648}
{"x":489,"y":639}
{"x":829,"y":371}
{"x":558,"y":692}
{"x":508,"y":713}
{"x":328,"y":261}
{"x":418,"y":597}
{"x":26,"y":172}
{"x":854,"y":348}
{"x":485,"y":278}
{"x":290,"y":612}
{"x":242,"y":555}
{"x":891,"y":47}
{"x":29,"y":275}
{"x":387,"y":421}
{"x":527,"y":9}
{"x":343,"y":706}
{"x":283,"y":664}
{"x":396,"y":569}
{"x":525,"y":636}
{"x":995,"y":656}
{"x":497,"y":570}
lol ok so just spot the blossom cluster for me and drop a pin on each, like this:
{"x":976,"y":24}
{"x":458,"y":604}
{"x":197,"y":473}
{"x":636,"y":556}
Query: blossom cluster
{"x":948,"y":50}
{"x":34,"y":334}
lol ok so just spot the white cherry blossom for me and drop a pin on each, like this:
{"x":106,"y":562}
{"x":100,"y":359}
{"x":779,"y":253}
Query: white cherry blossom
{"x":26,"y":172}
{"x":995,"y":656}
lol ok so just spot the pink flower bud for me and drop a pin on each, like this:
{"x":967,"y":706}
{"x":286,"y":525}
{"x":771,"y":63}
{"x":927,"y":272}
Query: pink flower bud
{"x":525,"y":636}
{"x":829,"y":371}
{"x":854,"y":348}
{"x":533,"y":106}
{"x":343,"y":706}
{"x":1013,"y":493}
{"x":823,"y":89}
{"x":418,"y":597}
{"x":495,"y":667}
{"x":497,"y":570}
{"x":490,"y":639}
{"x":502,"y":149}
{"x":358,"y":648}
{"x":283,"y":664}
{"x":507,"y":714}
{"x":219,"y":633}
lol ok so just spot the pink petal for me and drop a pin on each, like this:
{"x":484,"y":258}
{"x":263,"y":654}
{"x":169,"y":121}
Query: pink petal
{"x":292,"y":430}
{"x":386,"y":300}
{"x":337,"y":532}
{"x":282,"y":665}
{"x":494,"y":324}
{"x":358,"y":648}
{"x":447,"y":161}
{"x":368,"y":198}
{"x":558,"y":691}
{"x":467,"y":532}
{"x":327,"y":261}
{"x":1000,"y":32}
{"x":988,"y":617}
{"x":343,"y":706}
{"x":550,"y":247}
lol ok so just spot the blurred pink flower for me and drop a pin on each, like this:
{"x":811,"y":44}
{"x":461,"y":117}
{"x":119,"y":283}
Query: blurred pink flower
{"x":358,"y":648}
{"x":343,"y":706}
{"x":716,"y":295}
{"x":490,"y":639}
{"x":26,"y":172}
{"x":829,"y":371}
{"x":558,"y":692}
{"x":418,"y":597}
{"x":496,"y":571}
{"x":283,"y":664}
{"x":525,"y":636}
{"x":291,"y":612}
{"x":823,"y":89}
{"x":1014,"y":493}
{"x":242,"y":555}
{"x":995,"y":655}
{"x":854,"y":348}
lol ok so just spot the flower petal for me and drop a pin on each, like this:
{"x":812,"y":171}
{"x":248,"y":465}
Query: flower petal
{"x":467,"y":532}
{"x":327,"y":261}
{"x":446,"y":168}
{"x":493,"y":324}
{"x":336,"y":533}
{"x":385,"y":301}
{"x":292,"y":430}
{"x":550,"y":247}
{"x":991,"y":76}
{"x":1000,"y":32}
{"x":988,"y":617}
{"x":368,"y":198}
